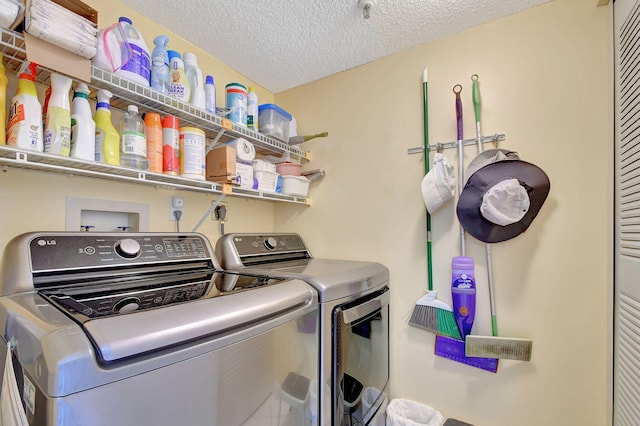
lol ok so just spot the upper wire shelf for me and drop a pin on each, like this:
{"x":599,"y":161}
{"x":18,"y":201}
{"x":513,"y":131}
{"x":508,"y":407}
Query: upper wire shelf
{"x":13,"y":48}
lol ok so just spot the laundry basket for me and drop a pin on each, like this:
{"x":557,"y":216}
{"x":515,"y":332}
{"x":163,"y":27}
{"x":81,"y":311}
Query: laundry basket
{"x":403,"y":412}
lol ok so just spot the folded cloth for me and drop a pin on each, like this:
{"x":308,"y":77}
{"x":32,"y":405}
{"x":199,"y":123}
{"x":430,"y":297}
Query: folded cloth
{"x":439,"y":185}
{"x":11,"y":410}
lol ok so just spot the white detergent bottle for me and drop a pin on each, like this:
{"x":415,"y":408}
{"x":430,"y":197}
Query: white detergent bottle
{"x":24,"y":130}
{"x":57,"y":127}
{"x":194,"y":76}
{"x":107,"y":138}
{"x":133,"y":140}
{"x":138,"y":68}
{"x":210,"y":94}
{"x":179,"y":85}
{"x":83,"y":128}
{"x":160,"y":64}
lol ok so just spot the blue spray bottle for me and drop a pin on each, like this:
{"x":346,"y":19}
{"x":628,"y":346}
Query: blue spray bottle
{"x":160,"y":64}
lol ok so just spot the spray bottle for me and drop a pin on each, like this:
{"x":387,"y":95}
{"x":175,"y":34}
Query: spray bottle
{"x":83,"y":128}
{"x":252,"y":109}
{"x":210,"y":95}
{"x":194,"y":76}
{"x":25,"y":120}
{"x":57,"y":128}
{"x":160,"y":64}
{"x":107,"y":137}
{"x":3,"y":103}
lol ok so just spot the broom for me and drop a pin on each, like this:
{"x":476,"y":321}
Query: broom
{"x":430,"y":313}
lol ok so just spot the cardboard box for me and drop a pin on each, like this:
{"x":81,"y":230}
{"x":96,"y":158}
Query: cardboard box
{"x":221,"y":165}
{"x":56,"y":58}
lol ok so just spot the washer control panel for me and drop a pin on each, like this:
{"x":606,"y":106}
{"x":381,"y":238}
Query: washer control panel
{"x":52,"y":252}
{"x":250,"y":244}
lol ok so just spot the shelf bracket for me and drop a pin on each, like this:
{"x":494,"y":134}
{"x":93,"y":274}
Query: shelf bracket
{"x":208,"y":213}
{"x":215,"y":141}
{"x":441,"y":146}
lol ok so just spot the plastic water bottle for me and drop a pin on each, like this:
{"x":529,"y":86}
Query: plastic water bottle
{"x":463,"y":293}
{"x":133,"y":140}
{"x":210,"y":95}
{"x":196,"y":82}
{"x":179,"y":85}
{"x":252,"y":109}
{"x":138,"y":68}
{"x":160,"y":64}
{"x":83,"y":128}
{"x":57,"y":128}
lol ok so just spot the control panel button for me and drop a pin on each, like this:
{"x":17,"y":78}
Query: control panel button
{"x":126,"y":305}
{"x":270,"y":243}
{"x":127,"y":248}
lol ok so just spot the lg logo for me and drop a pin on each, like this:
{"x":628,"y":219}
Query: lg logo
{"x":43,"y":243}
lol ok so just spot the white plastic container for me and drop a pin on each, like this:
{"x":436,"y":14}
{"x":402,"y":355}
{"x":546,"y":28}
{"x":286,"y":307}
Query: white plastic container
{"x":210,"y":94}
{"x":179,"y":86}
{"x":245,"y":173}
{"x":138,"y":68}
{"x":83,"y":128}
{"x":297,"y":186}
{"x":267,"y":181}
{"x":133,"y":140}
{"x":192,"y":153}
{"x":196,"y":82}
{"x":260,"y":164}
{"x":25,"y":115}
{"x":57,"y":128}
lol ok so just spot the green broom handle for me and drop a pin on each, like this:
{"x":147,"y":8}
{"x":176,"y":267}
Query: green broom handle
{"x":425,"y":100}
{"x":476,"y":107}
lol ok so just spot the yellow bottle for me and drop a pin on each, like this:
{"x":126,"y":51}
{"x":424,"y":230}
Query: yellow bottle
{"x":3,"y":103}
{"x":107,"y":137}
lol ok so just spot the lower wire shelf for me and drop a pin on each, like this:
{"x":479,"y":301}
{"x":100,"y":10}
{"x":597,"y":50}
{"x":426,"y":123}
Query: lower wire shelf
{"x":32,"y":160}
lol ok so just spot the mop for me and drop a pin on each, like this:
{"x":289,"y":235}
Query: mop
{"x":463,"y":298}
{"x":492,"y":346}
{"x":430,"y":313}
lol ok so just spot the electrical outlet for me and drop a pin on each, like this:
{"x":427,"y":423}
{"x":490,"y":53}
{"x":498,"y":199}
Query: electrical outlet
{"x":221,"y":212}
{"x":177,"y":204}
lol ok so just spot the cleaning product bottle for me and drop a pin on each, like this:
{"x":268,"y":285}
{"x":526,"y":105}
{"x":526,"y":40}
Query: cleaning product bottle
{"x":160,"y":64}
{"x":138,"y":67}
{"x":107,"y":138}
{"x":196,"y":83}
{"x":179,"y":86}
{"x":3,"y":103}
{"x":83,"y":128}
{"x":133,"y":140}
{"x":153,"y":129}
{"x":170,"y":145}
{"x":210,"y":94}
{"x":463,"y":293}
{"x":25,"y":119}
{"x":57,"y":127}
{"x":252,"y":109}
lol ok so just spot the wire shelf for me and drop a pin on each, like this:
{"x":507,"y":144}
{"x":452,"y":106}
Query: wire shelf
{"x":13,"y":48}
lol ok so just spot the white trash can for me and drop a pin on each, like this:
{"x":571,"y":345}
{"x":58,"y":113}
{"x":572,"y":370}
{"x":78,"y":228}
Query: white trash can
{"x":403,"y":412}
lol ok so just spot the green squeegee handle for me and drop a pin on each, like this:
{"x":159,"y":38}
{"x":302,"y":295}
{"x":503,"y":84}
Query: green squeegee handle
{"x":475,"y":88}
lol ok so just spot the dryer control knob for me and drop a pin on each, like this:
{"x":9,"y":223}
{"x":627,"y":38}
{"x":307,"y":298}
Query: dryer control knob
{"x":271,"y":243}
{"x":127,"y":248}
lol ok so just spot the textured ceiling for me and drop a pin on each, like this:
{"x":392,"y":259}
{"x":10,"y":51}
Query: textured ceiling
{"x":281,"y":44}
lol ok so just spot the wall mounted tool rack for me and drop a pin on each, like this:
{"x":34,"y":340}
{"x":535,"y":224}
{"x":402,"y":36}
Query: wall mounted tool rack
{"x":447,"y":145}
{"x":217,"y":131}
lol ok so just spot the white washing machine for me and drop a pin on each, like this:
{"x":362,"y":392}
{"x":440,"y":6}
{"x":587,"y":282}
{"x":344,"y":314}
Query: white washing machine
{"x":352,"y":324}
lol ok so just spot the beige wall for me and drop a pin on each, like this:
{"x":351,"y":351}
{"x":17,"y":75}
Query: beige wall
{"x":546,"y":82}
{"x":546,"y":78}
